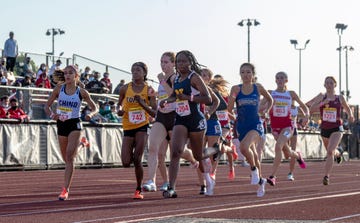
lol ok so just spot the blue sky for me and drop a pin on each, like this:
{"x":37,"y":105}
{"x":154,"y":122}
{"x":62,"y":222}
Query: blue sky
{"x":121,"y":32}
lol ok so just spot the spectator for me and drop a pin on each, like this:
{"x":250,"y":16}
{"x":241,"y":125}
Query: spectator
{"x":107,"y":82}
{"x":43,"y":81}
{"x":3,"y":69}
{"x":96,"y":86}
{"x":19,"y":94}
{"x":10,"y":78}
{"x":85,"y":74}
{"x":55,"y":66}
{"x":17,"y":113}
{"x":108,"y":112}
{"x":27,"y":82}
{"x":3,"y":113}
{"x":117,"y":89}
{"x":10,"y":51}
{"x":96,"y":119}
{"x":27,"y":68}
{"x":4,"y":90}
{"x":4,"y":103}
{"x":41,"y":69}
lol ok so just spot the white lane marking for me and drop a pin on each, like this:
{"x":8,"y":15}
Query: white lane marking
{"x":345,"y":217}
{"x":213,"y":209}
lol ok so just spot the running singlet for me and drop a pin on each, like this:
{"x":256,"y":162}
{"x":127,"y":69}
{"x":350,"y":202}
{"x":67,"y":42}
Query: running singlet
{"x":280,"y":113}
{"x":162,"y":94}
{"x":184,"y":107}
{"x":134,"y":115}
{"x":330,"y":114}
{"x":68,"y":106}
{"x":247,"y":108}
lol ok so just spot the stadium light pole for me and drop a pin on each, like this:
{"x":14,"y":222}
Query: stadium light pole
{"x":53,"y":32}
{"x":295,"y":43}
{"x":340,"y":28}
{"x":249,"y":22}
{"x":346,"y":49}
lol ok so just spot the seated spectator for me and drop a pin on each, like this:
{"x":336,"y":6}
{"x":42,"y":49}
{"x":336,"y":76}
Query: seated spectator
{"x":10,"y":78}
{"x":107,"y":110}
{"x":5,"y":102}
{"x":96,"y":119}
{"x":4,"y":90}
{"x":42,"y":69}
{"x":106,"y":81}
{"x":17,"y":113}
{"x":27,"y":69}
{"x":2,"y":66}
{"x":43,"y":81}
{"x":117,"y":89}
{"x":85,"y":74}
{"x":3,"y":113}
{"x":55,"y":66}
{"x":27,"y":82}
{"x":96,"y":86}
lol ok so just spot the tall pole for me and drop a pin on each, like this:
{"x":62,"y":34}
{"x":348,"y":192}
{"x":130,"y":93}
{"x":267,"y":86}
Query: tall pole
{"x":249,"y":22}
{"x":339,"y":64}
{"x":300,"y":73}
{"x":53,"y":45}
{"x":340,"y":28}
{"x":248,"y":34}
{"x":346,"y":75}
{"x":295,"y":43}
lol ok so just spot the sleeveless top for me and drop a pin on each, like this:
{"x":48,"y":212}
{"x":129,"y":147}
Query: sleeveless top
{"x":185,"y":107}
{"x":330,"y":114}
{"x":162,"y":94}
{"x":134,"y":115}
{"x":247,"y":107}
{"x":69,"y":106}
{"x":280,"y":113}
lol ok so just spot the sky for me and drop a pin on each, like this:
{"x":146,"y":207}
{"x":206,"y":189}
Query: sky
{"x":121,"y":32}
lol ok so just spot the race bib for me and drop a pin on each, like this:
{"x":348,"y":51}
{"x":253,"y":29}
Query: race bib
{"x":183,"y":108}
{"x":329,"y":114}
{"x":280,"y":109}
{"x":137,"y":115}
{"x":64,"y":113}
{"x":222,"y":115}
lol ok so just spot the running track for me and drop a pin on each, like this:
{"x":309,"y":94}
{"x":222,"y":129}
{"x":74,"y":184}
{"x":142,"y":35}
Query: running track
{"x":105,"y":195}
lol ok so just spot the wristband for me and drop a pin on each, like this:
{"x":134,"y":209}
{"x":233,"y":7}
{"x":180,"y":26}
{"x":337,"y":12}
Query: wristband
{"x":192,"y":97}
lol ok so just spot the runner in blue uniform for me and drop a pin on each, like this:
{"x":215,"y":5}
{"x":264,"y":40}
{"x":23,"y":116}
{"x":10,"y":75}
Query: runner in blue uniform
{"x":249,"y":125}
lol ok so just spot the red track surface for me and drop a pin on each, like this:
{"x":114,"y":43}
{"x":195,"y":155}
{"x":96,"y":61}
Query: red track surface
{"x":105,"y":195}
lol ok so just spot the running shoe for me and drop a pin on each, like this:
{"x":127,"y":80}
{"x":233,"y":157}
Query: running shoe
{"x":290,"y":177}
{"x":170,"y":193}
{"x":255,"y":178}
{"x":84,"y":142}
{"x":339,"y":157}
{"x":231,"y":175}
{"x":261,"y":189}
{"x":164,"y":187}
{"x":301,"y":161}
{"x":244,"y":163}
{"x":202,"y":189}
{"x":138,"y":195}
{"x":271,"y":180}
{"x":64,"y":194}
{"x":210,"y":184}
{"x":213,"y":176}
{"x":149,"y":186}
{"x":326,"y":180}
